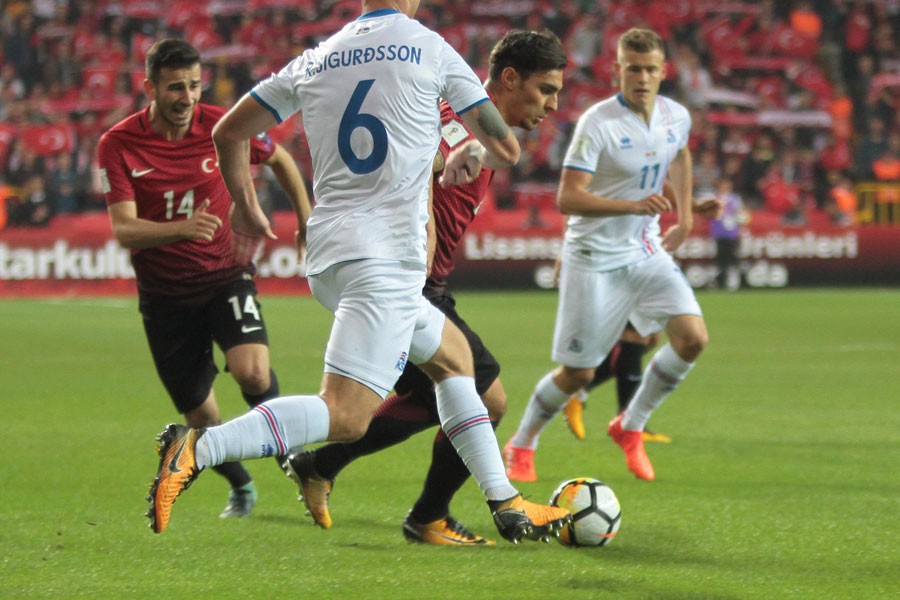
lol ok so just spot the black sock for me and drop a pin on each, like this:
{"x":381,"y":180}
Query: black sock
{"x":629,"y":370}
{"x":398,"y":418}
{"x":257,"y":399}
{"x":446,"y":475}
{"x":603,"y":372}
{"x":235,"y":473}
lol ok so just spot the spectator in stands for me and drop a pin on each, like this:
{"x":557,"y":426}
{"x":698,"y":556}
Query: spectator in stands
{"x":706,"y":174}
{"x":726,"y":231}
{"x":886,"y":167}
{"x":19,"y":48}
{"x":871,"y":147}
{"x":33,"y":209}
{"x":757,"y":165}
{"x":782,"y":197}
{"x":63,"y":185}
{"x":806,"y":21}
{"x":23,"y":164}
{"x":736,"y":143}
{"x":842,"y":201}
{"x":835,"y":153}
{"x":694,"y":80}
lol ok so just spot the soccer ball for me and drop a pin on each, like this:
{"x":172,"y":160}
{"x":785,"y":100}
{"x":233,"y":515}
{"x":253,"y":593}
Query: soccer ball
{"x":596,"y":515}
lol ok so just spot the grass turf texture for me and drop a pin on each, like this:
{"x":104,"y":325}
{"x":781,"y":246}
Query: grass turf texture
{"x":781,"y":481}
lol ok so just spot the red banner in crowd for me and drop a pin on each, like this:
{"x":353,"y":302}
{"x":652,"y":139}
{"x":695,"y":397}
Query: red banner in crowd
{"x":77,"y":255}
{"x":45,"y":140}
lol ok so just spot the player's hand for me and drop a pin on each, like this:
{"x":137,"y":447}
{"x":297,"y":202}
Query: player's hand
{"x":463,"y":165}
{"x":674,"y":237}
{"x":249,"y":227}
{"x":202,"y":225}
{"x":653,"y":204}
{"x":710,"y":208}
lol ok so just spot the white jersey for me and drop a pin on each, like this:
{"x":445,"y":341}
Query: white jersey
{"x":629,"y":161}
{"x":369,"y":99}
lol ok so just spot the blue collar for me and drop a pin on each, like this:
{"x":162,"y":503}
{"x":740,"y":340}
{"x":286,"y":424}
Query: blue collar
{"x":378,"y":13}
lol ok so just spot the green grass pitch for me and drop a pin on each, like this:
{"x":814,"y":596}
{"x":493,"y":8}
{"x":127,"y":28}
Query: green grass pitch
{"x":781,"y":482}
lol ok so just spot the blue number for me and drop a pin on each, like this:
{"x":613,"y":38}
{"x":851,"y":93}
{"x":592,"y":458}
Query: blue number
{"x":350,"y":121}
{"x":646,"y":171}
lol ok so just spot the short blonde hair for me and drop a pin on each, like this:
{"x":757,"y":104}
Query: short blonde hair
{"x":642,"y":41}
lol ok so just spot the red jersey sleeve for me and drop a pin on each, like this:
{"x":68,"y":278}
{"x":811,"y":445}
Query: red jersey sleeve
{"x":114,"y":179}
{"x":261,"y":149}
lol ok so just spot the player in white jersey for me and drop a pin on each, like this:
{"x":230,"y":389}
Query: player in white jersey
{"x":369,"y":102}
{"x":615,"y":266}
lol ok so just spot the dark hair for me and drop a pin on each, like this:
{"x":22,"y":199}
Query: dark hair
{"x":527,"y":52}
{"x":642,"y":41}
{"x":169,"y":54}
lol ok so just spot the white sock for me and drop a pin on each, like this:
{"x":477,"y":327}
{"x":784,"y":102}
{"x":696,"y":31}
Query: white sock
{"x":466,"y":422}
{"x":545,"y":402}
{"x":664,"y":373}
{"x":269,"y":429}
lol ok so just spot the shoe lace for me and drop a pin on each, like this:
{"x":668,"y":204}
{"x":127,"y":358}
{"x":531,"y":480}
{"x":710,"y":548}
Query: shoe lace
{"x":458,"y":528}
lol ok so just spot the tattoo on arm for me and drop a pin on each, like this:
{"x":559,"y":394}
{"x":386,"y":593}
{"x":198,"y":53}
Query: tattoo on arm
{"x":491,"y":122}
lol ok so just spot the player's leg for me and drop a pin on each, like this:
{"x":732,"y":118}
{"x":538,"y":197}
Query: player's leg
{"x":629,"y":373}
{"x":401,"y":415}
{"x":404,"y":413}
{"x":375,"y":306}
{"x":429,"y":521}
{"x":181,"y":345}
{"x":466,"y":422}
{"x":235,"y":318}
{"x":573,"y":411}
{"x":668,"y":368}
{"x":585,"y":332}
{"x":668,"y":300}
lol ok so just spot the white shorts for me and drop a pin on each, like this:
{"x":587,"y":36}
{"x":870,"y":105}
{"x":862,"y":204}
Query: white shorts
{"x":381,"y":320}
{"x":594,"y":306}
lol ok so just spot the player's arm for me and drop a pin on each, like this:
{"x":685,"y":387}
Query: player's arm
{"x":708,"y":208}
{"x":288,"y":175}
{"x":133,"y":232}
{"x":231,"y":135}
{"x":430,"y":227}
{"x":574,"y":198}
{"x":497,"y":146}
{"x":681,"y":176}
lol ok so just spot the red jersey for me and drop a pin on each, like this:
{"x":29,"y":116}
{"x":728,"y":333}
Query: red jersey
{"x":167,"y":179}
{"x":454,"y":206}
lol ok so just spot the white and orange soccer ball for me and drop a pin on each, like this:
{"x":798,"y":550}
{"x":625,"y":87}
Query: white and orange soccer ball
{"x":596,"y":514}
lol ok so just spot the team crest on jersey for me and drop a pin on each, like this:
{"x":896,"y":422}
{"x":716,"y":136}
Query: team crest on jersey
{"x":575,"y":345}
{"x":401,"y":362}
{"x":454,"y":133}
{"x":670,"y":136}
{"x":625,"y":143}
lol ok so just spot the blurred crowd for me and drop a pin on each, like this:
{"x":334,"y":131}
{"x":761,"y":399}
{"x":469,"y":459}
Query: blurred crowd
{"x":795,"y":103}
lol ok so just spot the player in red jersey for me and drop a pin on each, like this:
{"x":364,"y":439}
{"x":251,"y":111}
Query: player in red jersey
{"x":169,"y":205}
{"x":525,"y":78}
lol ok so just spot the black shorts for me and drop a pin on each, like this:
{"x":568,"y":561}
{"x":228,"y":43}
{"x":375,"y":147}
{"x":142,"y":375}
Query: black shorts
{"x":487,"y":369}
{"x":181,"y":338}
